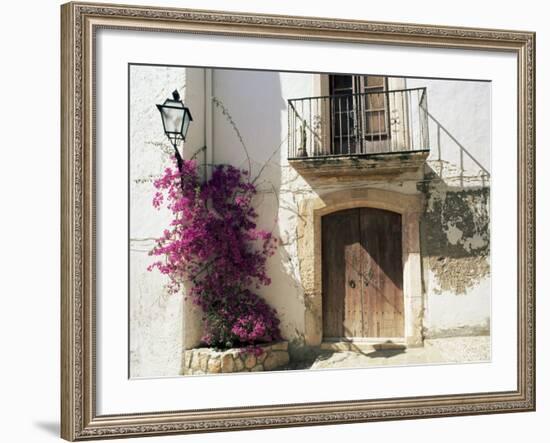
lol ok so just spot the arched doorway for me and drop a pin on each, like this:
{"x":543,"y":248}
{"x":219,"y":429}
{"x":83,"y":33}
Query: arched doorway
{"x":310,"y":241}
{"x":362,"y":272}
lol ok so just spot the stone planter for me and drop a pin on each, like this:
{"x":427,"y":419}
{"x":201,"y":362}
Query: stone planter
{"x":209,"y":361}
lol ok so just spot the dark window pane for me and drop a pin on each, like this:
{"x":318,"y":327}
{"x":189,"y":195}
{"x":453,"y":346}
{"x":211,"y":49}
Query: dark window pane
{"x":358,"y":112}
{"x":341,"y":84}
{"x":344,"y":124}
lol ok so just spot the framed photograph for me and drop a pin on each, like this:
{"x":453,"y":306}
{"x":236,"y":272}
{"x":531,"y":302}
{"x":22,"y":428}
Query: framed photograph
{"x":277,"y":221}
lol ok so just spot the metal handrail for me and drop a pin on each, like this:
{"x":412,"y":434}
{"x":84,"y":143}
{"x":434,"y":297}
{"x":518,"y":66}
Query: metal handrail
{"x":353,"y":124}
{"x":357,"y":93}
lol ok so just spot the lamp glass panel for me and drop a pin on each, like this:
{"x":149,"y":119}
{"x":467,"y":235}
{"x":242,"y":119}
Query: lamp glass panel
{"x":172,"y":118}
{"x":185,"y":125}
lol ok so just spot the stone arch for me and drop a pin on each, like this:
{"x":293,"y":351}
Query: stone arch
{"x":311,"y":211}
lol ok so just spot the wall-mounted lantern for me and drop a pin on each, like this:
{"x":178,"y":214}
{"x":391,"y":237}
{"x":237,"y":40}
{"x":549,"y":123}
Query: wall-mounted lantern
{"x":175,"y":120}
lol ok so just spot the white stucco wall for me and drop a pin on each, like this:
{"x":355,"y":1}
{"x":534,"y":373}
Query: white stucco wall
{"x":157,"y":327}
{"x":459,"y":122}
{"x":256,"y":104}
{"x":460,"y":131}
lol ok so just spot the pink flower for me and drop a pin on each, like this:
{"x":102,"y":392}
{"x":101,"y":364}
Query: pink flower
{"x":213,"y":242}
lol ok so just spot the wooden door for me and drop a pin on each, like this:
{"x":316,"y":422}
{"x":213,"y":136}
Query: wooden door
{"x":374,"y":107}
{"x":362,"y":274}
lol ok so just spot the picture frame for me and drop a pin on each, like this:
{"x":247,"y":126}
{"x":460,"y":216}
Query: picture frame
{"x":80,"y":24}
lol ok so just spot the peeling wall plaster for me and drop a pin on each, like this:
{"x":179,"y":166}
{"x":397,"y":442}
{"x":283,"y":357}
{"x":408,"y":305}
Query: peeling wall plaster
{"x":455,"y":236}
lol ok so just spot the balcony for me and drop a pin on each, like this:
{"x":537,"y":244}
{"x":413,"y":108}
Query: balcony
{"x":356,"y":134}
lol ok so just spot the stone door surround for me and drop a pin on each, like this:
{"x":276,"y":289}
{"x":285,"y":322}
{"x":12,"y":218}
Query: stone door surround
{"x":311,"y":211}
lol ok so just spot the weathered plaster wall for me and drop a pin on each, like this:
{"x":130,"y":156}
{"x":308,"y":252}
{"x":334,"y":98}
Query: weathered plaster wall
{"x":455,"y":245}
{"x":459,"y":124}
{"x":256,"y":102}
{"x":455,"y":227}
{"x":248,"y":115}
{"x":157,"y":326}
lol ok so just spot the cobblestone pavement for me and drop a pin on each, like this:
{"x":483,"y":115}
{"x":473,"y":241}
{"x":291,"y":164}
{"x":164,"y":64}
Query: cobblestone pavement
{"x":435,"y":351}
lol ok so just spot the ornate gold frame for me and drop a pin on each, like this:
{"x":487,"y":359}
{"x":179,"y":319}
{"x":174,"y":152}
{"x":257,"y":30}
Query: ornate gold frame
{"x":79,"y":420}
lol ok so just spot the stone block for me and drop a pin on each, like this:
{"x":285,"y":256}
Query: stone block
{"x":214,"y":365}
{"x":281,"y":346}
{"x":249,"y":360}
{"x":203,"y":361}
{"x":336,"y":346}
{"x":261,"y":358}
{"x":275,"y":360}
{"x":195,"y":363}
{"x":188,"y":357}
{"x":228,"y":364}
{"x":239,"y":365}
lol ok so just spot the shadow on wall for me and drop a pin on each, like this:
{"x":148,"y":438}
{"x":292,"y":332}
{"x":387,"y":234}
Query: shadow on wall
{"x":251,"y":123}
{"x":455,"y":226}
{"x":192,"y":328}
{"x":194,"y":98}
{"x":464,"y":155}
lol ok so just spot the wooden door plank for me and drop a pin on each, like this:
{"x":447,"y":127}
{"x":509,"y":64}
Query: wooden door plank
{"x":362,"y":274}
{"x":353,"y":315}
{"x":340,"y":232}
{"x":383,"y":264}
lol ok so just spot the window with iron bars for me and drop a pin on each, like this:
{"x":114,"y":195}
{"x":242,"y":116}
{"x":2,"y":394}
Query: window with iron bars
{"x":359,"y":113}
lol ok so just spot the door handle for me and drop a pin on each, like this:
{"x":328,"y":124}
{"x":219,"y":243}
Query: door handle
{"x":351,"y":284}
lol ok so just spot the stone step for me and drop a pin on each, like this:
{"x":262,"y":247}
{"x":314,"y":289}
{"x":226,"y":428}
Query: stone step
{"x":362,"y":346}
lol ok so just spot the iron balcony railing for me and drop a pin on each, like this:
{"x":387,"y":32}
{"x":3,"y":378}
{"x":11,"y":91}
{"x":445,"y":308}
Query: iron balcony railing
{"x":358,"y":124}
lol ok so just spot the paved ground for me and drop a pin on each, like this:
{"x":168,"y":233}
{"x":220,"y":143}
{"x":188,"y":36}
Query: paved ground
{"x":437,"y":351}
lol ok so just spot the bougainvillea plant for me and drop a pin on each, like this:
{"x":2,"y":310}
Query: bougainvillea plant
{"x":213,"y":243}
